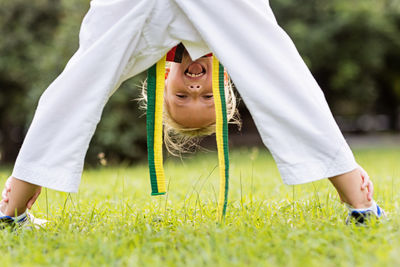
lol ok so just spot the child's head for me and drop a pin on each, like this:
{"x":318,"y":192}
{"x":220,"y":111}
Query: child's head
{"x":189,"y":112}
{"x":188,"y":93}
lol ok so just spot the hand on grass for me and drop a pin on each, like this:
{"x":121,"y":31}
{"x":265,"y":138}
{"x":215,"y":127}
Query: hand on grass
{"x":367,"y":183}
{"x":7,"y":190}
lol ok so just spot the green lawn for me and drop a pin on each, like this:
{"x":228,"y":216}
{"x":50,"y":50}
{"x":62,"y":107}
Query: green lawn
{"x":113,"y":220}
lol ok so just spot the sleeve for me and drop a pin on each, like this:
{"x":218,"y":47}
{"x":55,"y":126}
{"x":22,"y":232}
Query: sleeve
{"x":68,"y":112}
{"x":286,"y":103}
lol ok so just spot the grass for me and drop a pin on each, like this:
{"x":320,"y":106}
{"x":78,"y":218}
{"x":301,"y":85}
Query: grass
{"x":113,"y":220}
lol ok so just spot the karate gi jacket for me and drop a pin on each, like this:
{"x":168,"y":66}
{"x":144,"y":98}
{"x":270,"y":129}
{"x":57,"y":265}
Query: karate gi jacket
{"x":121,"y":38}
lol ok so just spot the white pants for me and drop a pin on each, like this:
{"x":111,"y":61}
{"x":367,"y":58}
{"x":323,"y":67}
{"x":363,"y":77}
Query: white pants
{"x":121,"y":38}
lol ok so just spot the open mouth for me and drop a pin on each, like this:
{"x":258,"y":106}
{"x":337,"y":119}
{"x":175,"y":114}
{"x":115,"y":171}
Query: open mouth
{"x":195,"y":70}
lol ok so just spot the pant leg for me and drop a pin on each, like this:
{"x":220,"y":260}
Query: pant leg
{"x":54,"y":149}
{"x":287,"y":105}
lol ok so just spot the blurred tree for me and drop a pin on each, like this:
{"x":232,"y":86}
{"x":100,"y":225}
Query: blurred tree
{"x":25,"y":29}
{"x":352,"y":48}
{"x":41,"y":37}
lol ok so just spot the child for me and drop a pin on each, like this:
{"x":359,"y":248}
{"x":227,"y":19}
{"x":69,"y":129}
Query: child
{"x":189,"y":105}
{"x":120,"y":39}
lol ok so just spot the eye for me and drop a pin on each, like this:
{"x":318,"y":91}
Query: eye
{"x":208,"y":96}
{"x":182,"y":96}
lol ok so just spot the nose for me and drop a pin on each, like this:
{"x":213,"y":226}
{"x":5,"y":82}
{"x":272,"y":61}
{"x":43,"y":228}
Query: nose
{"x":194,"y":87}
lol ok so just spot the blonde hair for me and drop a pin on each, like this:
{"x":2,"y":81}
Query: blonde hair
{"x":179,"y":139}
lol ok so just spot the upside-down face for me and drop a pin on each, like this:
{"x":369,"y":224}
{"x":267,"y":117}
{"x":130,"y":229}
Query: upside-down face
{"x":188,"y":92}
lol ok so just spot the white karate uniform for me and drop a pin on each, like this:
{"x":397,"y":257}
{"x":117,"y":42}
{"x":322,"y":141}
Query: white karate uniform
{"x":121,"y":38}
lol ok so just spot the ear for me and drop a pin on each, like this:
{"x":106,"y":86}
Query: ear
{"x":166,"y":91}
{"x":226,"y":78}
{"x":167,"y":70}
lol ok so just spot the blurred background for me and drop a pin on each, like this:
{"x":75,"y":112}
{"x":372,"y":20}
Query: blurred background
{"x":351,"y":47}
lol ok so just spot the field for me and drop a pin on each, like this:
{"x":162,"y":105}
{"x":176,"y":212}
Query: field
{"x":113,"y":220}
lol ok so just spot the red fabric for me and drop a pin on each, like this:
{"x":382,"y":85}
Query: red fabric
{"x":171,"y":54}
{"x":176,"y":53}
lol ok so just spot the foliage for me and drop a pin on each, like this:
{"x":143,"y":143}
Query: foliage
{"x":25,"y":29}
{"x":113,"y":220}
{"x":41,"y":37}
{"x":351,"y":47}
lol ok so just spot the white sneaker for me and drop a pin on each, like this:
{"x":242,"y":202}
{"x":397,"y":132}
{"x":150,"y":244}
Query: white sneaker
{"x":24,"y":220}
{"x":362,"y":217}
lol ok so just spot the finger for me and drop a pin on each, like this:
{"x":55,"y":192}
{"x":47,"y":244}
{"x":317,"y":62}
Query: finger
{"x":8,"y":184}
{"x":33,"y":199}
{"x":365,"y":178}
{"x":6,"y":190}
{"x":366,"y":181}
{"x":4,"y":195}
